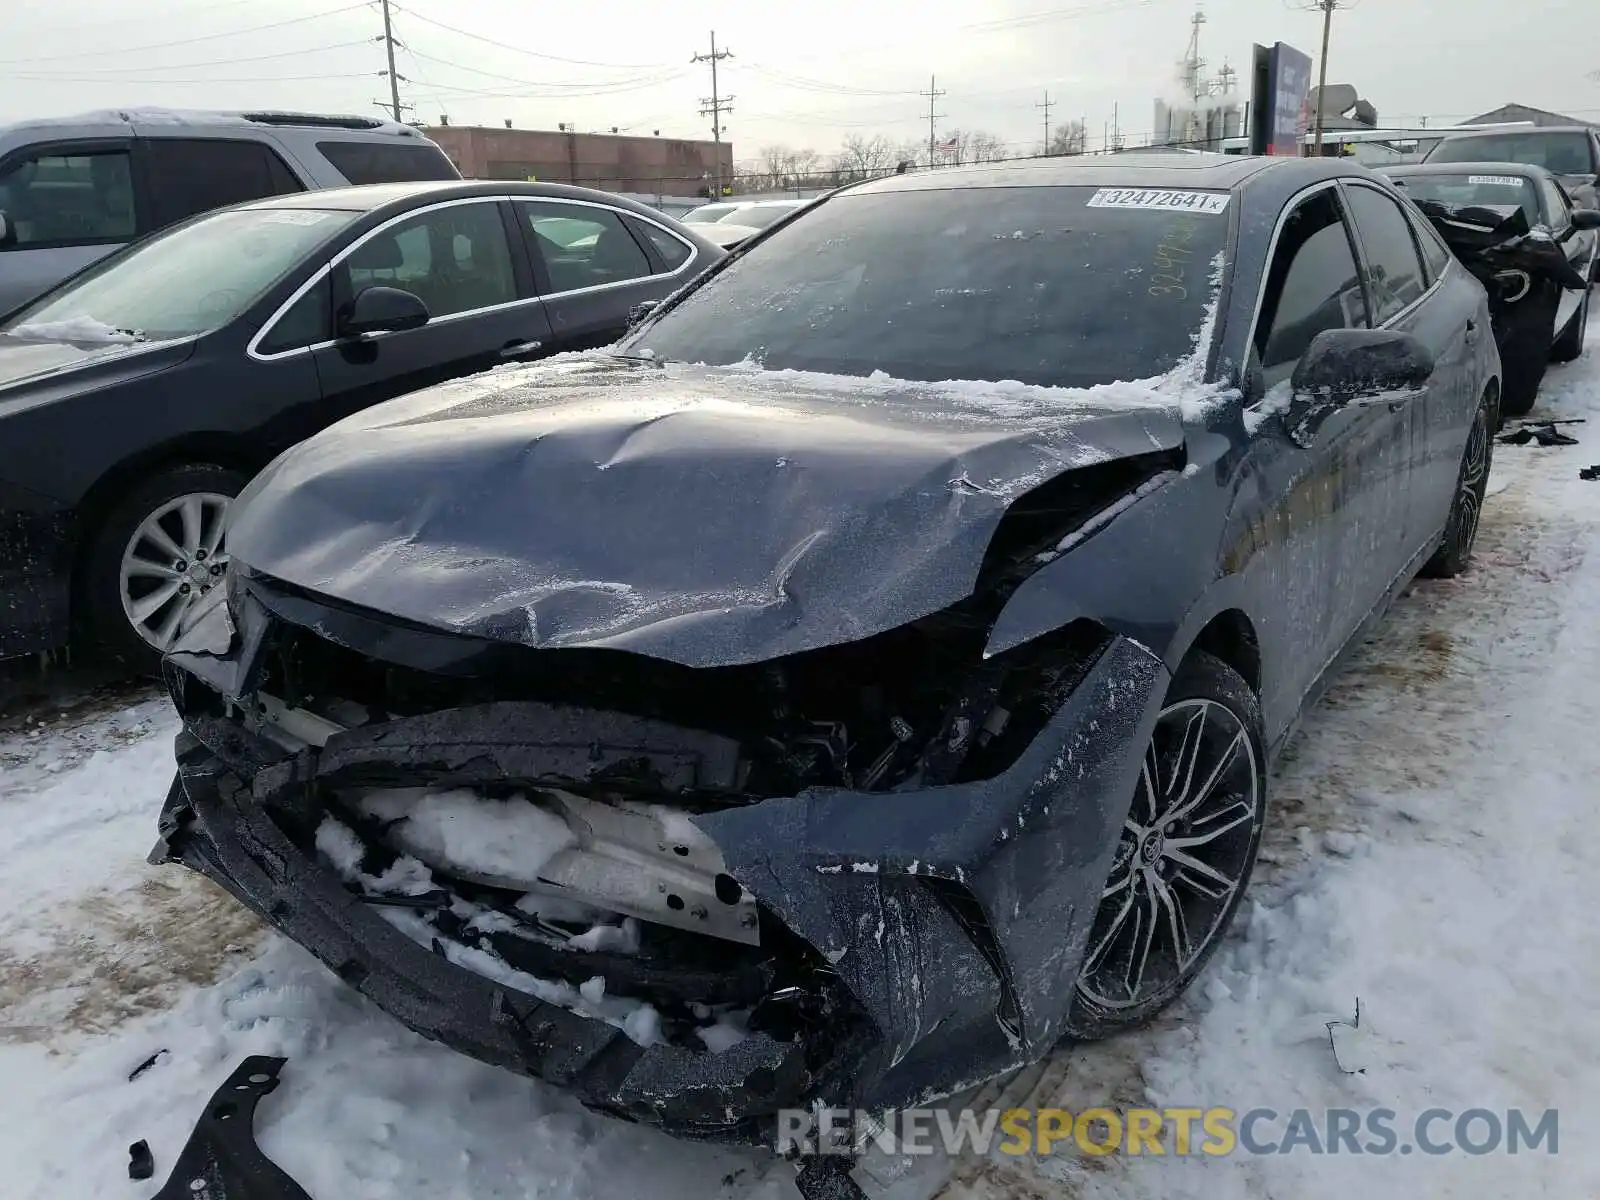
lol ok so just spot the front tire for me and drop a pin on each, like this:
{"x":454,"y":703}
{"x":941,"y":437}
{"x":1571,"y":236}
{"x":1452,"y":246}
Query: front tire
{"x":152,"y":558}
{"x":1186,"y":853}
{"x":1472,"y":483}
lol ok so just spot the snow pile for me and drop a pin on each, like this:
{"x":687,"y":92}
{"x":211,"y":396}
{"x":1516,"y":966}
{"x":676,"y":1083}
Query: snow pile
{"x":462,"y":830}
{"x":85,"y":330}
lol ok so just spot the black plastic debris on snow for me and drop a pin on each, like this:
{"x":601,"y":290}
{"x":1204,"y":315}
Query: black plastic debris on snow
{"x":1543,"y":432}
{"x":145,"y":1065}
{"x":1590,"y":472}
{"x":141,"y":1164}
{"x":221,"y":1160}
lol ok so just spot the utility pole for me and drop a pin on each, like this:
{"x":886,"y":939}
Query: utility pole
{"x":714,"y":108}
{"x":1046,"y":107}
{"x":394,"y":78}
{"x":1327,"y":7}
{"x":933,"y":93}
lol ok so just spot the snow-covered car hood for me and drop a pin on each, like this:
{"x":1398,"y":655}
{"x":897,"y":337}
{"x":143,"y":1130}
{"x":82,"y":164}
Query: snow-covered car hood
{"x":704,"y":516}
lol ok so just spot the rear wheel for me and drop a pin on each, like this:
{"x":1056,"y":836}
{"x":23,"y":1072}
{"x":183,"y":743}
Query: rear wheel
{"x":1569,"y":346}
{"x":157,"y":552}
{"x":1186,"y":854}
{"x":1472,"y":483}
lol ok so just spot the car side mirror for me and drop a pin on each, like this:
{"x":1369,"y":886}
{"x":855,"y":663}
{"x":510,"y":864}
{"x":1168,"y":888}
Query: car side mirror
{"x":380,"y":309}
{"x":1582,"y":218}
{"x":8,"y":231}
{"x":640,"y":311}
{"x":1345,"y":367}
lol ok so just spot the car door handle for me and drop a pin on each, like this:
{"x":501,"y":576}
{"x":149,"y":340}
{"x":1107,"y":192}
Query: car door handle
{"x":512,"y":349}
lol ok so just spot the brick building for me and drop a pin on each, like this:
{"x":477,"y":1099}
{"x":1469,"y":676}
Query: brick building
{"x":610,"y":162}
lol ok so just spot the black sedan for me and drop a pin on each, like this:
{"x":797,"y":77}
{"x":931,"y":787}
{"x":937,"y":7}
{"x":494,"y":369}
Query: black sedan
{"x":138,"y":397}
{"x":1516,"y":228}
{"x":865,"y":674}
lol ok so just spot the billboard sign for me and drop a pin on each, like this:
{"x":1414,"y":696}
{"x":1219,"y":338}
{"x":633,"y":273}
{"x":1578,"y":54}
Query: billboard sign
{"x":1280,"y":87}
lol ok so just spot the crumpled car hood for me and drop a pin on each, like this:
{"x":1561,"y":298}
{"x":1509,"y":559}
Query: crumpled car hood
{"x":704,"y":516}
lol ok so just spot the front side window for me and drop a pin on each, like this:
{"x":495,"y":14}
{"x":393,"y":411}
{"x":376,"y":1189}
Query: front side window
{"x":58,"y":198}
{"x":190,"y":280}
{"x":308,"y":321}
{"x":194,"y":175}
{"x":1556,"y":203}
{"x":1394,"y":268}
{"x":1034,"y":284}
{"x":383,"y":162}
{"x":454,"y":259}
{"x":1562,"y":152}
{"x":1312,"y":285}
{"x":582,"y":246}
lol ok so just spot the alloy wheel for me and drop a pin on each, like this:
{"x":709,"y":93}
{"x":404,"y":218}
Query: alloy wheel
{"x":174,"y":557}
{"x":1185,"y":852}
{"x":1474,"y":480}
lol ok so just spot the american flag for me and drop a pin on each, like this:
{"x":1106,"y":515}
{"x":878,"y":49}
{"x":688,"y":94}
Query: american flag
{"x":948,"y":146}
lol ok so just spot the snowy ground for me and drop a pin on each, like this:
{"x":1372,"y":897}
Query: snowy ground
{"x":1428,"y":852}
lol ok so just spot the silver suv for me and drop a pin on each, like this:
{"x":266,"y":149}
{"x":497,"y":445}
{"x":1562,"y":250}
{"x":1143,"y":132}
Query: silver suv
{"x":73,"y":190}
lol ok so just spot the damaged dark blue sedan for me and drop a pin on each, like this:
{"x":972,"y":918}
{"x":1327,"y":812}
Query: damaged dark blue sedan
{"x":864,"y":675}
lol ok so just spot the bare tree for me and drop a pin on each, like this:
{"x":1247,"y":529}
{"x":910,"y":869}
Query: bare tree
{"x":1070,"y":137}
{"x":979,"y":146}
{"x":774,"y":166}
{"x":801,"y":168}
{"x":861,"y":158}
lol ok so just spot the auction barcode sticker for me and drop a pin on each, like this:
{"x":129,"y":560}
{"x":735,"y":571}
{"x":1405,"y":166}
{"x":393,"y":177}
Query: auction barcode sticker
{"x":1497,"y":180}
{"x":1199,"y":202}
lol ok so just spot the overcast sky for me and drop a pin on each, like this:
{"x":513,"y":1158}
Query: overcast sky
{"x":804,"y":74}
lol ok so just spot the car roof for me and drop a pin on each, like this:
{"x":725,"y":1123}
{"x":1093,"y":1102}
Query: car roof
{"x":1531,"y":170}
{"x":1211,"y":172}
{"x":375,"y":196}
{"x":151,"y":118}
{"x":1529,"y":131}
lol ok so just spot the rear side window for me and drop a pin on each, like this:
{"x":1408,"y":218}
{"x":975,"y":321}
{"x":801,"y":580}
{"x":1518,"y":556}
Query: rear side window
{"x":58,"y":198}
{"x":388,"y":162}
{"x":1394,"y":268}
{"x":674,"y":251}
{"x":194,"y":175}
{"x":1434,"y":252}
{"x":582,"y":245}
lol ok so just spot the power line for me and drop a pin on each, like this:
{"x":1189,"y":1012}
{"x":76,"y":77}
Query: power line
{"x":933,"y":93}
{"x":213,"y":62}
{"x":209,"y":37}
{"x":501,"y":45}
{"x":715,"y":107}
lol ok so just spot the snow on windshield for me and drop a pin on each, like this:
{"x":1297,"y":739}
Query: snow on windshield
{"x":1037,"y":285}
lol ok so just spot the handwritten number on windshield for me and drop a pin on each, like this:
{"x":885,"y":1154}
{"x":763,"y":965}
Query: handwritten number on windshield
{"x":1171,"y":257}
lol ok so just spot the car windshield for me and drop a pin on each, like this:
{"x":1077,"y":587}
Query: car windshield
{"x":1034,"y":284}
{"x":1563,"y":152}
{"x":190,"y":280}
{"x":707,"y":214}
{"x":1474,"y":187}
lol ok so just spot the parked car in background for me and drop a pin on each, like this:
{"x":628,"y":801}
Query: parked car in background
{"x":1514,"y":226}
{"x":1569,"y":152}
{"x":138,"y":398}
{"x":74,"y":189}
{"x":741,"y":222}
{"x":880,"y":682}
